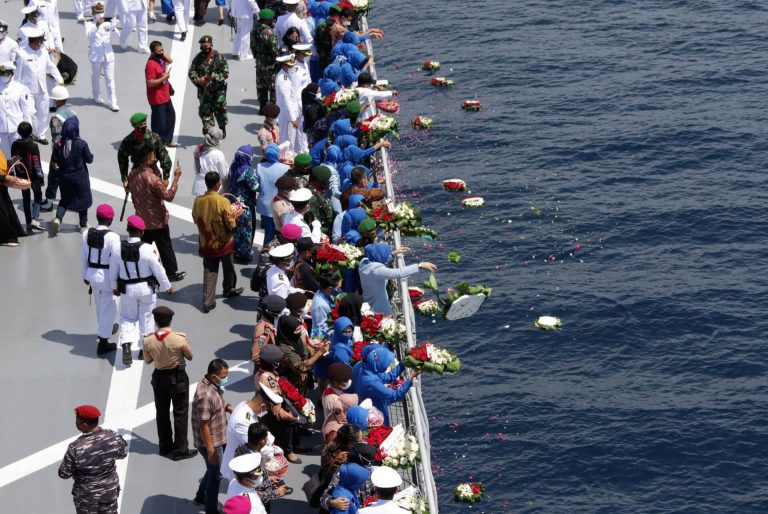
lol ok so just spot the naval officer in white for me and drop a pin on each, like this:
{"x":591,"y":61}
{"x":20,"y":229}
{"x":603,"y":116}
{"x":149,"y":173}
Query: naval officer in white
{"x":8,"y":47}
{"x":278,"y":282}
{"x":134,"y":15}
{"x":243,"y":12}
{"x":99,"y":33}
{"x":16,"y":105}
{"x":291,"y":19}
{"x":289,"y":101}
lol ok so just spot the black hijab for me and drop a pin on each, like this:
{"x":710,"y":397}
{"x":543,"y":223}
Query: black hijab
{"x":289,"y":333}
{"x":350,"y":307}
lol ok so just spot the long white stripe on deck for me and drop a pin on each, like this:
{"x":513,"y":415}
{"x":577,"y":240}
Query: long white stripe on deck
{"x":122,"y":422}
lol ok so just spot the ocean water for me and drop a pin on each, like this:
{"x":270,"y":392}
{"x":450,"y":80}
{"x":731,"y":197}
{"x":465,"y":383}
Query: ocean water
{"x":621,"y":152}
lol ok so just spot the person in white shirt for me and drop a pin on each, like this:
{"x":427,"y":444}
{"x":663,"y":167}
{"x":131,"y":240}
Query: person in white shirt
{"x":277,"y":279}
{"x":243,"y":12}
{"x":8,"y":47}
{"x":49,"y":14}
{"x":31,"y":24}
{"x":136,"y":274}
{"x":300,"y":200}
{"x":135,"y":15}
{"x":368,"y":94}
{"x":208,"y":157}
{"x":98,"y":246}
{"x":301,"y":79}
{"x":16,"y":105}
{"x":386,"y":480}
{"x":248,"y":476}
{"x":291,"y":19}
{"x":288,"y":99}
{"x":32,"y":68}
{"x":99,"y":33}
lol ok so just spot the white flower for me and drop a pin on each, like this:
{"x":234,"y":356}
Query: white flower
{"x":403,"y":461}
{"x":473,"y":201}
{"x":365,"y":309}
{"x":429,"y":307}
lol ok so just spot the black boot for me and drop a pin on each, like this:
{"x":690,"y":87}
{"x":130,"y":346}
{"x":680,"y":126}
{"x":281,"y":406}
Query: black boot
{"x":105,"y":346}
{"x":127,"y":358}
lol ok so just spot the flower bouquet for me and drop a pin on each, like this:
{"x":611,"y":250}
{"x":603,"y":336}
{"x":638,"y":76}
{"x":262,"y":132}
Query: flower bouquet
{"x":340,"y":99}
{"x":378,"y":126}
{"x":378,"y":435}
{"x":391,"y":330}
{"x":463,"y":289}
{"x":410,"y":500}
{"x":415,"y":293}
{"x":375,"y":417}
{"x":471,"y":105}
{"x":277,"y":465}
{"x":361,"y":7}
{"x":316,"y":342}
{"x":305,"y":406}
{"x":357,"y":352}
{"x":398,"y":450}
{"x":370,"y":325}
{"x":423,"y":232}
{"x":454,"y":185}
{"x":428,"y":307}
{"x":469,"y":492}
{"x":432,"y":359}
{"x":472,"y":201}
{"x":337,"y":257}
{"x":548,"y":323}
{"x":441,"y":82}
{"x":354,"y":255}
{"x":388,"y":105}
{"x":430,"y":65}
{"x":422,"y":122}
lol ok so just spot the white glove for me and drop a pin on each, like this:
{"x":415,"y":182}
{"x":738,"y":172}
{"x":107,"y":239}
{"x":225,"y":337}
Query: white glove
{"x":315,"y":224}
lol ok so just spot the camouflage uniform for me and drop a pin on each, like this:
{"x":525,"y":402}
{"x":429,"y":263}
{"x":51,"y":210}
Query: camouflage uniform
{"x":213,"y":97}
{"x":301,"y":179}
{"x":320,"y":209}
{"x":129,"y":148}
{"x":90,"y":459}
{"x":265,"y":48}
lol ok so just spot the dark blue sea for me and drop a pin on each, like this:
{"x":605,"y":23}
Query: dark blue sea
{"x":635,"y":131}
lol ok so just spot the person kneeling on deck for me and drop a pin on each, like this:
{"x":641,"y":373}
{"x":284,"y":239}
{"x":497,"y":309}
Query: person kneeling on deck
{"x":386,"y":480}
{"x":98,"y":247}
{"x":136,"y":274}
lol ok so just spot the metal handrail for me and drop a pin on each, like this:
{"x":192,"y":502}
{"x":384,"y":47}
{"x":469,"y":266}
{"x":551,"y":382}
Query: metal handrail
{"x":424,"y":478}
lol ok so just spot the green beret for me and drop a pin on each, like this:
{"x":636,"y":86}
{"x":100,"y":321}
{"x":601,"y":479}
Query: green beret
{"x":266,"y":14}
{"x":366,"y":225}
{"x":321,"y":173}
{"x":138,"y":118}
{"x":206,"y":39}
{"x":302,"y":159}
{"x":335,"y":7}
{"x":353,"y":107}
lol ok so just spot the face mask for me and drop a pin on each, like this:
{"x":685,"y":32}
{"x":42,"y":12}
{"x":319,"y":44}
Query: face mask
{"x":319,"y":96}
{"x":347,"y":23}
{"x":2,"y":35}
{"x":223,"y":381}
{"x":347,"y":384}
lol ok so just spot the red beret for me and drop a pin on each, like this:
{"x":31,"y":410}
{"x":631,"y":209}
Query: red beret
{"x":87,"y":412}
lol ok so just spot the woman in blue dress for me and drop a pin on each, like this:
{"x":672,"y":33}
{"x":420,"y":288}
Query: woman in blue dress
{"x":244,"y":183}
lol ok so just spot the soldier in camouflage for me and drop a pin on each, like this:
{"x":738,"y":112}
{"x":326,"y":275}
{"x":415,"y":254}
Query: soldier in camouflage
{"x":302,"y":166}
{"x":132,"y":142}
{"x":209,"y":72}
{"x":90,"y":459}
{"x":265,"y":48}
{"x":320,"y":207}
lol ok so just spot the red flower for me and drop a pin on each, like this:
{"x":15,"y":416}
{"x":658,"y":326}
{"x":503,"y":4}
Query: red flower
{"x":371,"y":324}
{"x":357,"y":350}
{"x":377,"y":435}
{"x":476,"y":488}
{"x":419,"y":353}
{"x":371,"y":499}
{"x":329,"y":99}
{"x":328,"y":253}
{"x":415,"y":294}
{"x":381,"y":213}
{"x":365,"y":125}
{"x":335,"y":312}
{"x":292,"y":393}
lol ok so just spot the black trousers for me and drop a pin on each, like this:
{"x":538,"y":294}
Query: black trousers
{"x":171,"y":387}
{"x":162,"y":238}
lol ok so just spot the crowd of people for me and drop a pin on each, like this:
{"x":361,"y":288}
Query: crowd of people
{"x":315,"y":185}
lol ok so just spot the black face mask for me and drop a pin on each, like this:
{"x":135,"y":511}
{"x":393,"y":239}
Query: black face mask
{"x":158,"y":57}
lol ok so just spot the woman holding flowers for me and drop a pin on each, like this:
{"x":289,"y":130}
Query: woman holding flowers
{"x":298,"y":358}
{"x":378,"y":362}
{"x":322,"y":302}
{"x":374,"y":274}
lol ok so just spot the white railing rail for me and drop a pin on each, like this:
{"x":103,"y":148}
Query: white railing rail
{"x":417,"y":411}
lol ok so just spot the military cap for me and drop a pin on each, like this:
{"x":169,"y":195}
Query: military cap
{"x":385,"y":477}
{"x":3,"y":26}
{"x":35,"y":33}
{"x":7,"y":66}
{"x":105,"y":211}
{"x":302,"y":159}
{"x":282,"y":251}
{"x":322,"y":173}
{"x":335,"y":7}
{"x":300,"y":195}
{"x":271,"y":353}
{"x":29,"y":9}
{"x":162,"y":310}
{"x":266,"y":14}
{"x":135,"y":222}
{"x":297,"y":300}
{"x":138,"y":117}
{"x":269,"y":393}
{"x":353,"y":107}
{"x":291,"y":231}
{"x":339,"y":372}
{"x":290,"y":2}
{"x":87,"y":412}
{"x":287,"y":58}
{"x":97,"y":8}
{"x":237,"y":505}
{"x":273,"y":303}
{"x":245,"y":463}
{"x":302,"y":47}
{"x":206,"y":39}
{"x":366,"y":225}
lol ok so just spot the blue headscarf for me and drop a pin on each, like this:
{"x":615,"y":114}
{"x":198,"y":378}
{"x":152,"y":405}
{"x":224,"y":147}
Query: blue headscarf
{"x":355,"y":154}
{"x":352,"y":237}
{"x":357,"y":416}
{"x":354,"y":201}
{"x":273,"y":153}
{"x":328,"y":86}
{"x":351,"y":37}
{"x":240,"y":163}
{"x":69,"y":132}
{"x":346,"y":139}
{"x":351,"y":219}
{"x":357,"y":59}
{"x":333,"y":72}
{"x":351,"y":477}
{"x":333,"y":155}
{"x":339,"y":337}
{"x":379,"y":252}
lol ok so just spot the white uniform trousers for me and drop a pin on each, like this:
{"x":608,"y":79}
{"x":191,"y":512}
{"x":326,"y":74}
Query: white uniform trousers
{"x":6,"y":140}
{"x":136,"y":320}
{"x":182,"y":10}
{"x":110,"y":7}
{"x":106,"y":308}
{"x":108,"y":67}
{"x":241,"y":43}
{"x":299,"y":139}
{"x":131,"y":19}
{"x":40,"y":121}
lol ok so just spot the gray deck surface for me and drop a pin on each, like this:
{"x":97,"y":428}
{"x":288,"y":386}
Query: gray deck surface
{"x":48,"y":329}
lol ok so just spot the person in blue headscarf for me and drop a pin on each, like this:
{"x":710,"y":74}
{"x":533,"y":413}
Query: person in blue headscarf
{"x":322,"y":303}
{"x":343,"y":48}
{"x":71,"y":157}
{"x":330,"y":81}
{"x":343,"y":140}
{"x":374,"y":274}
{"x":380,"y":361}
{"x":352,"y":218}
{"x":268,"y":172}
{"x":351,"y":477}
{"x":358,"y":416}
{"x":341,"y":343}
{"x":339,"y":227}
{"x":355,"y":64}
{"x":332,"y":158}
{"x":244,"y":184}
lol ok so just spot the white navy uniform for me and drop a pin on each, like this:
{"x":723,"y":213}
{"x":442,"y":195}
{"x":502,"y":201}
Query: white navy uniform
{"x":102,"y":58}
{"x":241,"y":418}
{"x":134,"y":15}
{"x":16,"y":105}
{"x":182,"y":8}
{"x":301,"y":79}
{"x":32,"y":67}
{"x":243,"y":11}
{"x":110,"y":7}
{"x":94,"y":264}
{"x":8,"y":49}
{"x":49,"y":13}
{"x":278,"y":283}
{"x":288,"y":20}
{"x":22,"y":35}
{"x":296,"y":218}
{"x":139,"y":299}
{"x":383,"y":507}
{"x":289,"y":101}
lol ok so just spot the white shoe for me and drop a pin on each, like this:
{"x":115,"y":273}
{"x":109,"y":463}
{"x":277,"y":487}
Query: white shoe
{"x":248,"y":57}
{"x":56,"y":226}
{"x":144,"y":50}
{"x":80,"y":17}
{"x":99,"y":100}
{"x":114,"y":107}
{"x":36,"y":225}
{"x":152,"y":16}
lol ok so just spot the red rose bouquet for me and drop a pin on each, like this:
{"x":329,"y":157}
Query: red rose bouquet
{"x":370,"y":326}
{"x":432,"y":359}
{"x":378,"y":435}
{"x":306,"y":407}
{"x":469,"y":492}
{"x":330,"y":257}
{"x":357,"y":351}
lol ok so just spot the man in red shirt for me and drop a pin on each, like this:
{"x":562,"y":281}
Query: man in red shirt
{"x":157,"y":73}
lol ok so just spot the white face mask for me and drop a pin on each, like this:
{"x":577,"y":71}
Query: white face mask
{"x":2,"y":35}
{"x":347,"y":384}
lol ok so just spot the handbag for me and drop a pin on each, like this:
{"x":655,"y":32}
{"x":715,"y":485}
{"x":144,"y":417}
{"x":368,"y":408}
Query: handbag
{"x":170,"y":89}
{"x":13,"y":180}
{"x":235,"y":204}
